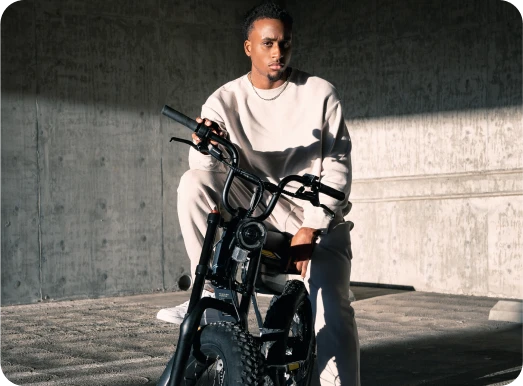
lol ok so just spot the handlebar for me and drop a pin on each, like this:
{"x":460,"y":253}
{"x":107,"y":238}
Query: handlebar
{"x":180,"y":118}
{"x":206,"y":134}
{"x":202,"y":131}
{"x":331,"y":192}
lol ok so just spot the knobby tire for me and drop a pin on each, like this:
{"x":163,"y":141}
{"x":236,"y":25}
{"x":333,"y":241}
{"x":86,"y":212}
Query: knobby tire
{"x":233,"y":358}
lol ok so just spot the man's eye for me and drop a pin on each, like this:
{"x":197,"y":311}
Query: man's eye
{"x":268,"y":44}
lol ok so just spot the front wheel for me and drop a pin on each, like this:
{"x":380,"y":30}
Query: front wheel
{"x":225,"y":355}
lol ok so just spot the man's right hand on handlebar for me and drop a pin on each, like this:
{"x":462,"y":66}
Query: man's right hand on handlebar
{"x":215,"y":129}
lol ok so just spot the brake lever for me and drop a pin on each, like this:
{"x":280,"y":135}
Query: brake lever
{"x":190,"y":143}
{"x":201,"y":147}
{"x":312,"y":197}
{"x":329,"y":211}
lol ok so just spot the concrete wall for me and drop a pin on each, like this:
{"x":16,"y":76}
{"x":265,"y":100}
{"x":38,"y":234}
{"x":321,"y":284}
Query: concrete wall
{"x":432,"y":94}
{"x":88,"y":175}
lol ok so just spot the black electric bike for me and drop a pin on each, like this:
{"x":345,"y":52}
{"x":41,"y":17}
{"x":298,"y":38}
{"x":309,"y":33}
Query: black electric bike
{"x":225,"y":353}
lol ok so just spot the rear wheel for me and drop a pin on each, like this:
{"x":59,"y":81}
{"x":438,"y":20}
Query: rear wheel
{"x":225,"y":356}
{"x":291,"y":312}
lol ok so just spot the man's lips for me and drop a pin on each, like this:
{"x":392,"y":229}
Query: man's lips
{"x":276,"y":66}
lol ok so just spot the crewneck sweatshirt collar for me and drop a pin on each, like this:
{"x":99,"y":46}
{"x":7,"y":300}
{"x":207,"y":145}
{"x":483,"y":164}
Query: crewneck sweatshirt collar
{"x":271,"y":92}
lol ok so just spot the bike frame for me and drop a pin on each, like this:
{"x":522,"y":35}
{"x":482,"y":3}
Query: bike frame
{"x":222,"y":272}
{"x":223,"y":269}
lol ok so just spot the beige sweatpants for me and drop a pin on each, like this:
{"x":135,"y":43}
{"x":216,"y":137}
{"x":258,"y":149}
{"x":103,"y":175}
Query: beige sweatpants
{"x":327,"y":280}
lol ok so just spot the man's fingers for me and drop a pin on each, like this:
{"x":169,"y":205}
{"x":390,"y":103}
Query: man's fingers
{"x":301,"y":267}
{"x":304,"y":267}
{"x":215,"y":129}
{"x":206,"y":122}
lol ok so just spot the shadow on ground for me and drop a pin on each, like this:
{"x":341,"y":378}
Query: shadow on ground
{"x":465,"y":358}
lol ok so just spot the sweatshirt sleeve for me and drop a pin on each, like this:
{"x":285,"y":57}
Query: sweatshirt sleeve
{"x":201,"y":161}
{"x":336,"y":168}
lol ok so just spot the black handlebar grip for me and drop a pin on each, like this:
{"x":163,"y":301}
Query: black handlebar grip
{"x":332,"y":192}
{"x":179,"y":117}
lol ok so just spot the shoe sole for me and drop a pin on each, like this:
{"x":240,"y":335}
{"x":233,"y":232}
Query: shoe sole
{"x":166,"y":316}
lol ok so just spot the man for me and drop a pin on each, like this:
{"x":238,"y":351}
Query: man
{"x":283,"y":122}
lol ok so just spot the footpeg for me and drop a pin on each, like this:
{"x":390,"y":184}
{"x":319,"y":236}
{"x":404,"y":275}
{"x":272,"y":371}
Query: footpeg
{"x":269,"y":334}
{"x":288,"y":366}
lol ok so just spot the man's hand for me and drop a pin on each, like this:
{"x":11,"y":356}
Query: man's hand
{"x":215,"y":129}
{"x":302,"y":245}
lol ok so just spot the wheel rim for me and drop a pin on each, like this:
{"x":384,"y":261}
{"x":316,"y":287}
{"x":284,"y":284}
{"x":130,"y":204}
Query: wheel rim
{"x":296,"y":348}
{"x":212,"y":373}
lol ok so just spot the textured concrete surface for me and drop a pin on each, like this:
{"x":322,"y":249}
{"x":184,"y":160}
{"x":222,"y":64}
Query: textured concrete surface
{"x":407,"y":338}
{"x":431,"y":93}
{"x":432,"y":96}
{"x":20,"y":182}
{"x":88,"y":175}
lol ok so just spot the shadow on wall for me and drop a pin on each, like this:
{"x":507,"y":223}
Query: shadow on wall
{"x":395,"y":58}
{"x":385,"y":58}
{"x":101,"y":59}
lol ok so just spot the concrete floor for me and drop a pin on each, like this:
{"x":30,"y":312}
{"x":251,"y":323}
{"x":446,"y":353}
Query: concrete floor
{"x":407,"y":338}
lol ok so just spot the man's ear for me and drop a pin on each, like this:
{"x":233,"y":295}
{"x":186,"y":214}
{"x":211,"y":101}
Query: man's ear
{"x":247,"y":47}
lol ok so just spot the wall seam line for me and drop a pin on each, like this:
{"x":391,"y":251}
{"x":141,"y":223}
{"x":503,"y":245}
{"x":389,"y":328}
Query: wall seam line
{"x":161,"y":206}
{"x":487,"y":127}
{"x":438,"y":197}
{"x":160,"y":129}
{"x":38,"y":181}
{"x":482,"y":173}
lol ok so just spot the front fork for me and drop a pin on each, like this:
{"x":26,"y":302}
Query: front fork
{"x":174,"y":373}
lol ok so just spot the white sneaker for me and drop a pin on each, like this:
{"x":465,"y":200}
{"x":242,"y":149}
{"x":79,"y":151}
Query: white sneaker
{"x":177,"y":314}
{"x":352,"y":298}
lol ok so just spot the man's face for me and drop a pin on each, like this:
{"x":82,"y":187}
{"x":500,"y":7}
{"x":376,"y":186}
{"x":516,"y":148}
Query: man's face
{"x":269,"y":47}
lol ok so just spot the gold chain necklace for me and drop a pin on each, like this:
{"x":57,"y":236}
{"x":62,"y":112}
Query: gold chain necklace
{"x":273,"y":98}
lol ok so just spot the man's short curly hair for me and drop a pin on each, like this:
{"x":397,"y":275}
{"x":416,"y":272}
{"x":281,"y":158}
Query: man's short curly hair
{"x":266,"y":10}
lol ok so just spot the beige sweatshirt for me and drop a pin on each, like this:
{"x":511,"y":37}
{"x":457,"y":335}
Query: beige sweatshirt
{"x":301,"y":131}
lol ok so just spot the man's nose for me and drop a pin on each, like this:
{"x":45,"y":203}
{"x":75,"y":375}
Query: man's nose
{"x":277,"y":52}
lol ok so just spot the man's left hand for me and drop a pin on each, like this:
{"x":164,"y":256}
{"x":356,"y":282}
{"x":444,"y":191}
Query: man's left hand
{"x":302,"y":245}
